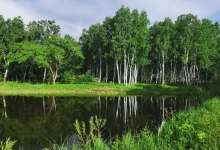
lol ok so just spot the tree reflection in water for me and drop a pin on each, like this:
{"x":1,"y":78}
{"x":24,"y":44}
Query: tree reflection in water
{"x":25,"y":120}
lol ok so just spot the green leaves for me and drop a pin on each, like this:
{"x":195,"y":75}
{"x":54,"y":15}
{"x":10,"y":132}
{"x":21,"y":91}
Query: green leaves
{"x":186,"y":50}
{"x":59,"y":52}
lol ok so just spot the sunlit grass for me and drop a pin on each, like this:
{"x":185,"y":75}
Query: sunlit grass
{"x":7,"y":145}
{"x":15,"y":88}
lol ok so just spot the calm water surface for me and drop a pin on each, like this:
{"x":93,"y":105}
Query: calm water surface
{"x":32,"y":121}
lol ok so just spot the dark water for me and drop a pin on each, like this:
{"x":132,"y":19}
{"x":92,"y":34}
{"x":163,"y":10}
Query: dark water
{"x":32,"y":121}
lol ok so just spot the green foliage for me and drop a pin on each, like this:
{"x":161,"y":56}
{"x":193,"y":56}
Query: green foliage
{"x":81,"y":130}
{"x":87,"y":78}
{"x":7,"y":145}
{"x":68,"y":77}
{"x":121,"y":48}
{"x":95,"y":126}
{"x":196,"y":129}
{"x":56,"y":146}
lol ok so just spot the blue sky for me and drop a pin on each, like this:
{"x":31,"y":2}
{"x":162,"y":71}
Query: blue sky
{"x":74,"y":15}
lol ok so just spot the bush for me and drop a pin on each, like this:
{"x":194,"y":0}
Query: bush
{"x":68,"y":77}
{"x":85,"y":78}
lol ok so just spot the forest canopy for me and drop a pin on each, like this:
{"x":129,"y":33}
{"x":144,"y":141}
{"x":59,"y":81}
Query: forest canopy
{"x":122,"y":49}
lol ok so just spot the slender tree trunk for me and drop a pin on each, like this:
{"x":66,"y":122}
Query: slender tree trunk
{"x":113,"y":80}
{"x":24,"y":74}
{"x":135,"y":73}
{"x":45,"y":72}
{"x":174,"y":70}
{"x":54,"y":78}
{"x":106,"y":71}
{"x":6,"y":71}
{"x":54,"y":75}
{"x":186,"y":68}
{"x":118,"y":71}
{"x":171,"y":70}
{"x":194,"y":72}
{"x":130,"y":76}
{"x":100,"y":66}
{"x":152,"y":72}
{"x":126,"y":62}
{"x":163,"y":61}
{"x":185,"y":74}
{"x":157,"y":76}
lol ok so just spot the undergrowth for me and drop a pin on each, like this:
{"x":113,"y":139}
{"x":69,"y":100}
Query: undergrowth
{"x":7,"y":145}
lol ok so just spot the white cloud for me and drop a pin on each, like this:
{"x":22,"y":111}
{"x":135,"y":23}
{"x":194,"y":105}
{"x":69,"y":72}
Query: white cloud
{"x":74,"y":15}
{"x":11,"y":9}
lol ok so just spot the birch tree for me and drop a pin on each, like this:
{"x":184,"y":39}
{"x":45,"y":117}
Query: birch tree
{"x":162,"y":42}
{"x":57,"y":53}
{"x":139,"y":45}
{"x":120,"y":41}
{"x":12,"y":32}
{"x":185,"y":27}
{"x":93,"y":41}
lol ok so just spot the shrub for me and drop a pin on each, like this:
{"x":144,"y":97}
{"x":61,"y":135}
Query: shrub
{"x":85,"y":78}
{"x":68,"y":77}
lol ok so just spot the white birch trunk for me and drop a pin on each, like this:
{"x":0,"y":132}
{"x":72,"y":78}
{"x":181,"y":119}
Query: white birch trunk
{"x":163,"y":61}
{"x":135,"y":73}
{"x":118,"y":71}
{"x":106,"y":71}
{"x":6,"y":71}
{"x":45,"y":72}
{"x":100,"y":66}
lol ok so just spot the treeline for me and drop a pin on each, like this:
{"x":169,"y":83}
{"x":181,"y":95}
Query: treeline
{"x":36,"y":52}
{"x":123,"y":49}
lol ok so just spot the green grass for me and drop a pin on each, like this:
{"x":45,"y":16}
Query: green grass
{"x":100,"y":89}
{"x":7,"y":144}
{"x":197,"y":129}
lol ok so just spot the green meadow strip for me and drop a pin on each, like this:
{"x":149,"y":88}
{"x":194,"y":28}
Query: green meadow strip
{"x":98,"y":89}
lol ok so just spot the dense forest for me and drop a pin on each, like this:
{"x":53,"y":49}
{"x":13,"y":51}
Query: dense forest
{"x":124,"y":49}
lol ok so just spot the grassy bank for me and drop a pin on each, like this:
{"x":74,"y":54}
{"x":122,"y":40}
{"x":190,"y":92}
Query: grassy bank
{"x":105,"y":89}
{"x":197,"y":129}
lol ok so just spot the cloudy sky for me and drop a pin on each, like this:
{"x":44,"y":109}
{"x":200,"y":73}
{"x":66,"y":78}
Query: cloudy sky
{"x":74,"y":15}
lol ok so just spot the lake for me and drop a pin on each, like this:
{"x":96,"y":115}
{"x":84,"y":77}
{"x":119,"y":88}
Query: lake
{"x":32,"y":121}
